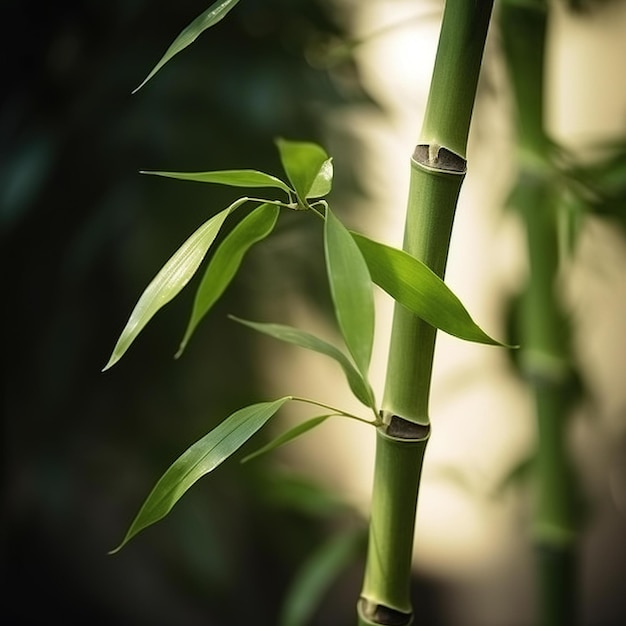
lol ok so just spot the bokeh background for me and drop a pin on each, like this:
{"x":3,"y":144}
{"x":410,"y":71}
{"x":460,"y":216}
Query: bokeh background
{"x":83,"y":233}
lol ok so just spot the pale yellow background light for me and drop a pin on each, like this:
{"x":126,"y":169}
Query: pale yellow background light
{"x":482,"y":419}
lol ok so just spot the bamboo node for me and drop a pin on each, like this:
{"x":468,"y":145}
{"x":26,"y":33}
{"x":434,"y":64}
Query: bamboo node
{"x":382,"y":615}
{"x":435,"y":157}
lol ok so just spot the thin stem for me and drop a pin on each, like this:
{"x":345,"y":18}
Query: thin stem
{"x":289,"y":205}
{"x":338,"y":412}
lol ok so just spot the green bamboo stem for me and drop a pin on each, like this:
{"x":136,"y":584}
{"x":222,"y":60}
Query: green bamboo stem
{"x":544,"y":337}
{"x":437,"y":171}
{"x":546,"y":367}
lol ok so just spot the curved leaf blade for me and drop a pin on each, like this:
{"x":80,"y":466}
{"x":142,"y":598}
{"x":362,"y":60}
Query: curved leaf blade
{"x":286,"y":437}
{"x":170,"y":280}
{"x":414,"y":285}
{"x":232,"y":178}
{"x":200,"y":459}
{"x":215,"y":13}
{"x":358,"y":384}
{"x":308,"y":167}
{"x":351,"y":290}
{"x":226,"y":261}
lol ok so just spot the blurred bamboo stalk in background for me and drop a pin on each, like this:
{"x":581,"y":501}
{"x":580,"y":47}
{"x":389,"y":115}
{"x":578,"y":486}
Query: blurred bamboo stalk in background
{"x":543,"y":328}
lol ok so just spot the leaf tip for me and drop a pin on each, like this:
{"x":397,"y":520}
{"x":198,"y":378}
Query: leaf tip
{"x":110,"y":363}
{"x":142,"y":83}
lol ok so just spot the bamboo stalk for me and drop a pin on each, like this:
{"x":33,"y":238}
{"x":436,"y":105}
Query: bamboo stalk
{"x":544,"y":337}
{"x":437,"y":170}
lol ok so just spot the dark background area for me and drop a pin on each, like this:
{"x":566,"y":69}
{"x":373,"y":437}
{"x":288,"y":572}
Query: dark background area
{"x":82,"y":235}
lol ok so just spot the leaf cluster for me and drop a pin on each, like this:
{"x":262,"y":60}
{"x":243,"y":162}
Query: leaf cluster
{"x":354,"y":263}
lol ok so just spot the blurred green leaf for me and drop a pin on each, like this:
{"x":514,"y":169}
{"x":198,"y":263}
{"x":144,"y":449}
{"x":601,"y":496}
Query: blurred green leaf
{"x":419,"y":289}
{"x":226,"y":261}
{"x":200,"y":459}
{"x":286,"y":437}
{"x":233,"y":178}
{"x":170,"y":280}
{"x":600,"y":187}
{"x":518,"y":475}
{"x":307,"y":166}
{"x":300,"y":494}
{"x":351,"y":290}
{"x":216,"y":12}
{"x":318,"y":574}
{"x":358,"y":384}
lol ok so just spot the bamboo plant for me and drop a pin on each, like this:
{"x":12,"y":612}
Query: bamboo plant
{"x":543,"y":331}
{"x":552,"y":195}
{"x":412,"y":276}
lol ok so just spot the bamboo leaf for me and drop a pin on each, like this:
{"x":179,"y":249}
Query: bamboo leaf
{"x":200,"y":459}
{"x":351,"y":290}
{"x":308,"y":167}
{"x":286,"y":437}
{"x":419,"y":289}
{"x":226,"y":261}
{"x":323,"y":181}
{"x":318,"y":574}
{"x":215,"y":13}
{"x":358,"y":384}
{"x":233,"y":178}
{"x":170,"y":280}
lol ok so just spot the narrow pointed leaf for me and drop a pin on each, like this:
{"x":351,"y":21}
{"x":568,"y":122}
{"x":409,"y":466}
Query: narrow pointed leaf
{"x":286,"y":437}
{"x":415,"y":286}
{"x":318,"y":574}
{"x":226,"y":261}
{"x":358,"y":384}
{"x":307,"y":166}
{"x":216,"y":12}
{"x":233,"y":178}
{"x":170,"y":280}
{"x":200,"y":459}
{"x":351,"y":290}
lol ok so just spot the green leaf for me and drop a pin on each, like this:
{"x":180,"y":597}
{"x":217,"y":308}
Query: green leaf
{"x":290,"y":435}
{"x":226,"y":261}
{"x":358,"y":384}
{"x":323,"y":182}
{"x":172,"y":277}
{"x":419,"y":289}
{"x":200,"y":459}
{"x":351,"y":290}
{"x":318,"y":574}
{"x":307,"y":166}
{"x":189,"y":34}
{"x":233,"y":178}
